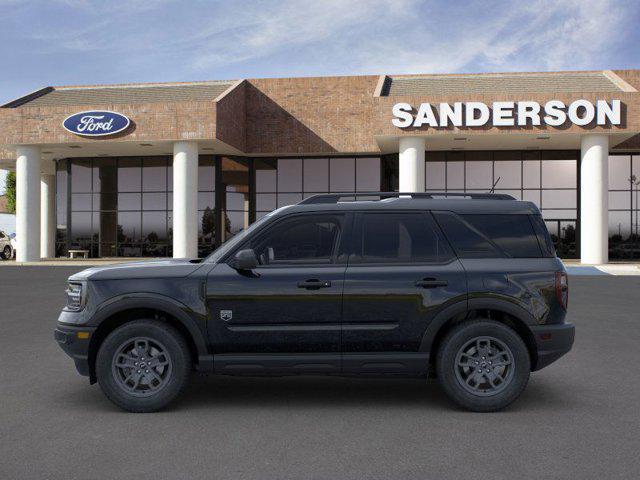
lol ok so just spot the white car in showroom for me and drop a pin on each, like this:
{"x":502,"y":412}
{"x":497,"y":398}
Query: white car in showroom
{"x":7,"y":246}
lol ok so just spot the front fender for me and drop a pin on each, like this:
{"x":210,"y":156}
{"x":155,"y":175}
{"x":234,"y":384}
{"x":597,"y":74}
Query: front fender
{"x":194,"y":322}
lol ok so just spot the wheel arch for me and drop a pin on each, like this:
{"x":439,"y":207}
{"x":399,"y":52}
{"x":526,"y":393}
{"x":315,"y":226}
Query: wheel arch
{"x":501,"y":310}
{"x":156,"y":307}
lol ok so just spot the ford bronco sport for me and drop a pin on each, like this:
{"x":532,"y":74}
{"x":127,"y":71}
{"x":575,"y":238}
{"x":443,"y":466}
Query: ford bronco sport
{"x":466,"y":287}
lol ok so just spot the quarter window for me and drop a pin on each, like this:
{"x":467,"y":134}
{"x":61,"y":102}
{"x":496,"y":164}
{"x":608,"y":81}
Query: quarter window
{"x":400,"y":238}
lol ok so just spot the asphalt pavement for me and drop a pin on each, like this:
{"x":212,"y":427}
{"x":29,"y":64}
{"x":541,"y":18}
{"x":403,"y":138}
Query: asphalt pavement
{"x":578,"y":418}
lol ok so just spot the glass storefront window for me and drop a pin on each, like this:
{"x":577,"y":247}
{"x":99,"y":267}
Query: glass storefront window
{"x":546,"y":178}
{"x":316,"y":175}
{"x":455,"y":175}
{"x":478,"y":175}
{"x":122,"y":206}
{"x":342,"y":174}
{"x":624,"y":202}
{"x":508,"y":174}
{"x":435,"y":176}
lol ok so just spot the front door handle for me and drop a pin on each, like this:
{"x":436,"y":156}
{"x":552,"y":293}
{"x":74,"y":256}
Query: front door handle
{"x":314,"y":284}
{"x":431,"y":283}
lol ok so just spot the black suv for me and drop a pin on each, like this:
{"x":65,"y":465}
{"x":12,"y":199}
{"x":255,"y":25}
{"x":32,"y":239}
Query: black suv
{"x":465,"y":287}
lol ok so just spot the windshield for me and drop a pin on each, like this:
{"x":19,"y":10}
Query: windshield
{"x":238,"y":238}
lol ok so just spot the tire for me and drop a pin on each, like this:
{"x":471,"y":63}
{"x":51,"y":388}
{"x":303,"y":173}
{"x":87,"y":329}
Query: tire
{"x":482,"y":341}
{"x":128,"y":379}
{"x":7,"y":253}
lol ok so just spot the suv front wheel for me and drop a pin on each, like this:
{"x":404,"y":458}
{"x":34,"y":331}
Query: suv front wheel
{"x":483,"y":365}
{"x":143,"y":365}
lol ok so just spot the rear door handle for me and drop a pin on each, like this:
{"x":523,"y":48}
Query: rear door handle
{"x":314,"y":284}
{"x":431,"y":283}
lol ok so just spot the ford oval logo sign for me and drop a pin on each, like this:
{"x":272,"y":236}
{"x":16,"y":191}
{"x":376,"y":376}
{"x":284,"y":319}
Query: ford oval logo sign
{"x":96,"y":123}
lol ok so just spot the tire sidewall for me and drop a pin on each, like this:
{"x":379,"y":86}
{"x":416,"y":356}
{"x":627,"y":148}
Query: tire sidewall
{"x":446,"y":364}
{"x":176,"y":349}
{"x":6,"y":253}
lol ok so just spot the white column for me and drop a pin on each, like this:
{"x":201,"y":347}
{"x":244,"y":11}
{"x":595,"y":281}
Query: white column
{"x":411,"y":164}
{"x":185,"y":200}
{"x":47,"y":215}
{"x":594,"y":199}
{"x":28,"y":203}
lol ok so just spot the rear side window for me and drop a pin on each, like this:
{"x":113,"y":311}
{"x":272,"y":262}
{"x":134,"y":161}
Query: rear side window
{"x":491,"y":236}
{"x":544,"y":239}
{"x":514,"y":234}
{"x":400,"y":238}
{"x":466,"y":240}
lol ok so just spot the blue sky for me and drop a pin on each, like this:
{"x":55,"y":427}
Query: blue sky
{"x":71,"y":42}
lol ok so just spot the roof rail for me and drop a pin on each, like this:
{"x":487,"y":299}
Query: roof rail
{"x":335,"y":197}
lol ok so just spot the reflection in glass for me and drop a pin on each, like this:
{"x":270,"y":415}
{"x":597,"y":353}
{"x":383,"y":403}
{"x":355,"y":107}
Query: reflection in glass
{"x":129,"y":174}
{"x":531,"y":174}
{"x":289,"y":175}
{"x":559,"y":174}
{"x":479,"y":175}
{"x":455,"y":175}
{"x":509,"y":174}
{"x":367,"y":174}
{"x":435,"y":176}
{"x":154,"y":174}
{"x":342,"y":174}
{"x":316,"y":175}
{"x":81,"y":175}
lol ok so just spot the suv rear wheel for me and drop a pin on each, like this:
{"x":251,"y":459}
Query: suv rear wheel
{"x":6,"y":253}
{"x":143,"y":365}
{"x":483,"y":365}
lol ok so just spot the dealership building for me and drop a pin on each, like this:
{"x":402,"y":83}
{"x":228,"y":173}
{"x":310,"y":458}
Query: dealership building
{"x":175,"y":169}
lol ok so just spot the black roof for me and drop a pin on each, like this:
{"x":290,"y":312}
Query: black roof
{"x":464,"y":203}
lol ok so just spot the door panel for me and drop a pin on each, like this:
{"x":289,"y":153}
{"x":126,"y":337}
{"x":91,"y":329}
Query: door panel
{"x":387,"y":310}
{"x":285,"y":314}
{"x":401,"y":274}
{"x":270,"y":313}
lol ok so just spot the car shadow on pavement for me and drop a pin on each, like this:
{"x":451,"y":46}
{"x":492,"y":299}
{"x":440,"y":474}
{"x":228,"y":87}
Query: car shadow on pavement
{"x":307,"y":392}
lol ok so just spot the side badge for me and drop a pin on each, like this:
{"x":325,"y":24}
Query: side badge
{"x":226,"y":315}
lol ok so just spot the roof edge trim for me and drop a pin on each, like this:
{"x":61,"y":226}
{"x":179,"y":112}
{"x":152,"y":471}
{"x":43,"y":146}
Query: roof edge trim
{"x":380,"y":85}
{"x":618,"y":81}
{"x":231,"y":88}
{"x":27,"y":98}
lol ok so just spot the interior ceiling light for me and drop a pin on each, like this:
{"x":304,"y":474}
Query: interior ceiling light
{"x":74,"y":146}
{"x":543,"y":137}
{"x":146,"y":144}
{"x":460,"y":138}
{"x":47,"y":152}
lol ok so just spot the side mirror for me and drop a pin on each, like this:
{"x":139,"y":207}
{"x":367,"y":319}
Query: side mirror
{"x":244,"y":260}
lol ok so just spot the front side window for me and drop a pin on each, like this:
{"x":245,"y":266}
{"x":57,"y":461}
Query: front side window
{"x":400,"y":238}
{"x":307,"y":239}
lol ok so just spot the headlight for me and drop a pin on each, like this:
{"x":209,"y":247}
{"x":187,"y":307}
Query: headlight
{"x":75,"y":297}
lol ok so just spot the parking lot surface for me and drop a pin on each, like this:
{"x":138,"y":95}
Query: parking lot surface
{"x":578,"y":419}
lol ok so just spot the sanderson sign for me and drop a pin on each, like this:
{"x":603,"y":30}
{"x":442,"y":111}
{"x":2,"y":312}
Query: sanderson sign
{"x":507,"y":114}
{"x":96,"y":123}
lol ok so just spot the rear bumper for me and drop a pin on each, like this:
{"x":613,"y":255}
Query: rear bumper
{"x":77,"y":347}
{"x":552,"y":342}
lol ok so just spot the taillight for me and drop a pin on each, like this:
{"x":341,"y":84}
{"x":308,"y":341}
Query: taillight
{"x":562,"y":289}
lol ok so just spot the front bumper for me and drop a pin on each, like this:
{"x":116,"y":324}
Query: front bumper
{"x":75,"y":343}
{"x":552,"y":342}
